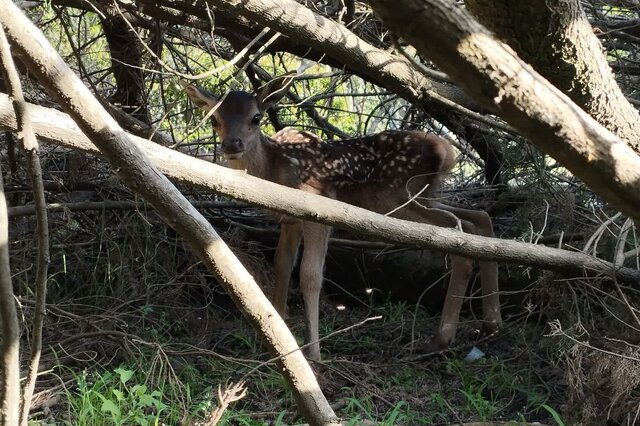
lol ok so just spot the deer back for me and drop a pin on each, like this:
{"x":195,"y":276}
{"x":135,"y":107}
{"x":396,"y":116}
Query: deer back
{"x":355,"y":170}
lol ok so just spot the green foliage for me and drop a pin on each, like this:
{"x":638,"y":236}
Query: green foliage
{"x":115,"y":399}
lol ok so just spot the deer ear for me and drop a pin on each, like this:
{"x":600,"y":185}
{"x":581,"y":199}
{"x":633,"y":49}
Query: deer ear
{"x":202,"y":98}
{"x":272,"y":92}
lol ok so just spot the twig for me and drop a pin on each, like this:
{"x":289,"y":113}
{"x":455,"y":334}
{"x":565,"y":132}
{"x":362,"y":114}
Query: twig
{"x":233,"y":393}
{"x":556,"y":330}
{"x":454,"y":412}
{"x":598,"y":233}
{"x":116,"y":205}
{"x":619,"y":257}
{"x":372,"y":245}
{"x":203,"y":75}
{"x":342,"y":330}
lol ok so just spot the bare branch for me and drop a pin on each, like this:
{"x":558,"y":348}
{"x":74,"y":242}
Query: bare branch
{"x":10,"y":383}
{"x":56,"y":127}
{"x":34,"y":170}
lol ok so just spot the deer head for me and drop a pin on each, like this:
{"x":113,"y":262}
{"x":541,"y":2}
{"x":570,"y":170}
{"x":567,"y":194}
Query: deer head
{"x":236,"y":116}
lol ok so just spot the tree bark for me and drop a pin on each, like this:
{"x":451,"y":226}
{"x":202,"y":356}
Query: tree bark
{"x":140,"y":175}
{"x":10,"y":354}
{"x":492,"y":72}
{"x":58,"y":128}
{"x":126,"y":62}
{"x":561,"y":45}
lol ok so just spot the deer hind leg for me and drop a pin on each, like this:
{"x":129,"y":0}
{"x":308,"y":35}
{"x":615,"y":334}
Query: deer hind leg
{"x":461,"y":269}
{"x":284,"y":261}
{"x":316,"y":238}
{"x":488,"y":269}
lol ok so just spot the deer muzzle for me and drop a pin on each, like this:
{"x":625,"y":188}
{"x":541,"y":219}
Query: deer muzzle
{"x":232,"y":148}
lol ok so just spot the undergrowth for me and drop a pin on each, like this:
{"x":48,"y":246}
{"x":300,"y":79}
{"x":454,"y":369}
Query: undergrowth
{"x":138,"y":333}
{"x":177,"y":384}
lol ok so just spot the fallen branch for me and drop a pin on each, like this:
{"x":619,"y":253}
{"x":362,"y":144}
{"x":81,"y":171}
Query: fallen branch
{"x":58,"y":128}
{"x":446,"y":33}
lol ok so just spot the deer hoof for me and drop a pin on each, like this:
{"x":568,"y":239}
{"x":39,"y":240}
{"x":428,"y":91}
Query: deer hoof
{"x":435,"y":345}
{"x":490,"y":328}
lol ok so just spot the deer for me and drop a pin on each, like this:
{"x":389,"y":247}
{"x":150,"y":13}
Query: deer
{"x":382,"y":172}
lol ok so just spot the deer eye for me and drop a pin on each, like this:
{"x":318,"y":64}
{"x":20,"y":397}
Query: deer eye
{"x":256,"y":119}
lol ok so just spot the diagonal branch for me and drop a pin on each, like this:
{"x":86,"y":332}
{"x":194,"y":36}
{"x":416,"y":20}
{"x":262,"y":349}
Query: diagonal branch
{"x":494,"y":74}
{"x":139,"y":174}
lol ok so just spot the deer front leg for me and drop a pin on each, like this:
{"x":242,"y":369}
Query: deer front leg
{"x":461,"y":269}
{"x":316,"y":237}
{"x":283,"y":263}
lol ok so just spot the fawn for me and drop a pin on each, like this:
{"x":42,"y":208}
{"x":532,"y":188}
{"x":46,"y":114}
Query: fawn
{"x":378,"y":172}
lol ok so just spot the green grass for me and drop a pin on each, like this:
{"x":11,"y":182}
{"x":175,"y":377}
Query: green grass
{"x":115,"y":398}
{"x":153,"y":388}
{"x":488,"y":388}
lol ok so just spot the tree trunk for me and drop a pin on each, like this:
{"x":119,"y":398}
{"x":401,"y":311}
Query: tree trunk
{"x":561,"y":45}
{"x":126,"y":62}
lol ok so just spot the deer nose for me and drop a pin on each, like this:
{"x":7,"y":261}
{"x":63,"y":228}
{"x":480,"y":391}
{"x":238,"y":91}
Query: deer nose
{"x":232,"y":145}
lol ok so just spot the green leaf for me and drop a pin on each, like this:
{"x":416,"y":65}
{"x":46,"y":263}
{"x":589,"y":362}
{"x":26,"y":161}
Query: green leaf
{"x":109,"y":406}
{"x":554,"y":414}
{"x":118,"y":394}
{"x":141,"y":421}
{"x":125,"y":375}
{"x":139,"y":390}
{"x":147,"y":401}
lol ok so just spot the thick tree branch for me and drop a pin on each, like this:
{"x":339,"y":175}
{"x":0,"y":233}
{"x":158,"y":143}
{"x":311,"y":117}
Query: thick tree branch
{"x":10,"y":350}
{"x":139,"y":174}
{"x":561,"y":45}
{"x":498,"y":78}
{"x":296,"y":21}
{"x":56,"y":127}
